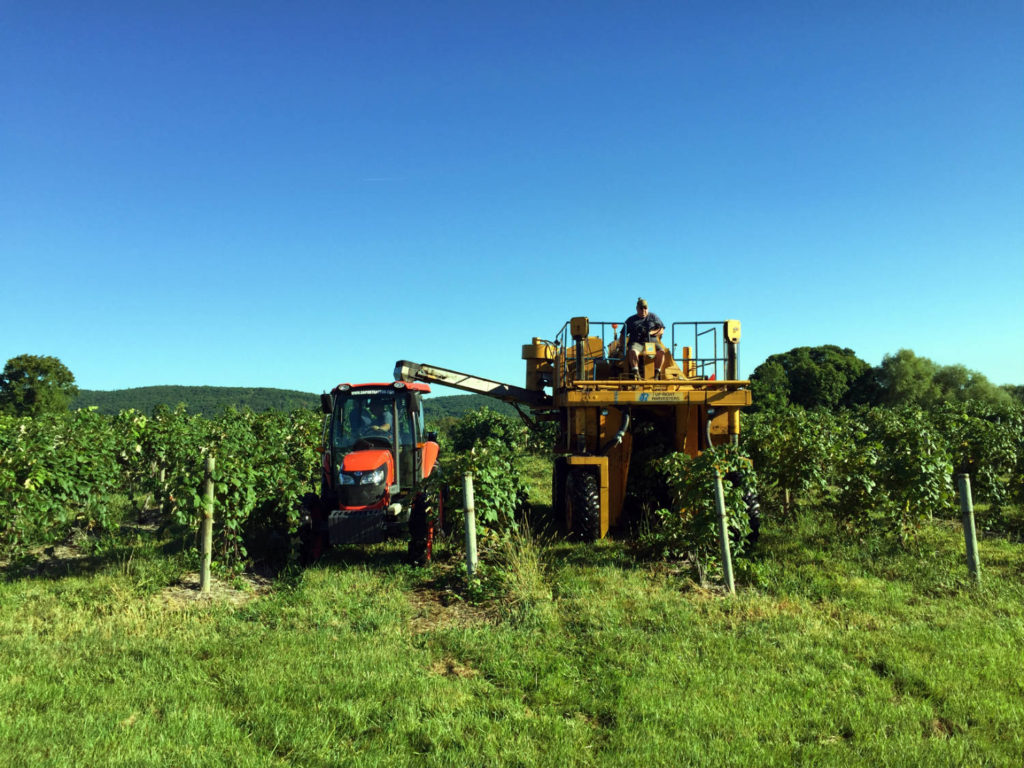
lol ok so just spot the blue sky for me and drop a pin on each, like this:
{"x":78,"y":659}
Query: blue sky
{"x":297,"y":194}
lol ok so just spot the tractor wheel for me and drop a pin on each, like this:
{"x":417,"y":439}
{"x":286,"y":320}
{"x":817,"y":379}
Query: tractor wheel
{"x":421,"y":532}
{"x":583,"y":504}
{"x":559,"y":469}
{"x":311,"y":540}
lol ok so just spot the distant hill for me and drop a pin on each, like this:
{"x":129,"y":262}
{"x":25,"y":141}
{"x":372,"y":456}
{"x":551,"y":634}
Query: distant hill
{"x":211,"y":401}
{"x":437,"y":409}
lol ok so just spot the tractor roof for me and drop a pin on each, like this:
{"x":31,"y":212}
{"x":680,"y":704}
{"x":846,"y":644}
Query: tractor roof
{"x":415,"y":386}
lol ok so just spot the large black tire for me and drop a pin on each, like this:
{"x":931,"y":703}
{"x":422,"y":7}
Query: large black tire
{"x":312,"y":540}
{"x":583,"y":504}
{"x":559,"y":470}
{"x":420,"y":532}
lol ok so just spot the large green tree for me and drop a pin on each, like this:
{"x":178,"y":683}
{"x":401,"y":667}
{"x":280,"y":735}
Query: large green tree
{"x":907,"y":379}
{"x":1016,"y":391}
{"x":34,"y":384}
{"x":808,"y":376}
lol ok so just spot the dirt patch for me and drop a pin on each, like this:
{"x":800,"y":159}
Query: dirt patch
{"x":451,"y":668}
{"x":941,"y":728}
{"x":238,"y":591}
{"x":67,"y":557}
{"x":440,"y":610}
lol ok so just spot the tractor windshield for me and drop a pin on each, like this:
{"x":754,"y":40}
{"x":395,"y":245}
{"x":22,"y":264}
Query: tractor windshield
{"x":364,"y":418}
{"x":372,"y":418}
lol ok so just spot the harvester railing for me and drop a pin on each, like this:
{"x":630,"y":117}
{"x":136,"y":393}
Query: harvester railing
{"x":606,"y":331}
{"x":702,"y":337}
{"x":697,"y":347}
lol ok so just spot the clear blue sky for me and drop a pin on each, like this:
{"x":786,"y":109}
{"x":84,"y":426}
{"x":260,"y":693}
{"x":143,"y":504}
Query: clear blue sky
{"x":294,"y":194}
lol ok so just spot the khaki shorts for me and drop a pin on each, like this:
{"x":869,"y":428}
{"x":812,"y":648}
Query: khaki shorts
{"x":641,"y":349}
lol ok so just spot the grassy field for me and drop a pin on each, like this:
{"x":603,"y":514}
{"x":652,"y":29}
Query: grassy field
{"x":572,"y":655}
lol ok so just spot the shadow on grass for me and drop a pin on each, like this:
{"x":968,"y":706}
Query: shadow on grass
{"x":1001,"y":522}
{"x":63,"y":561}
{"x":388,"y":555}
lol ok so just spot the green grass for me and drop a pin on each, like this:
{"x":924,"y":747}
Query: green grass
{"x":535,"y":472}
{"x":830,"y":654}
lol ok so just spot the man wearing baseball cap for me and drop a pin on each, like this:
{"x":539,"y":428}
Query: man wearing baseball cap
{"x":639,"y":329}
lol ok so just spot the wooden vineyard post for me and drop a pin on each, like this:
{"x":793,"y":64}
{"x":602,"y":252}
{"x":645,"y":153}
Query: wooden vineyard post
{"x":963,"y":482}
{"x":723,"y":534}
{"x":207,"y":528}
{"x":471,"y":561}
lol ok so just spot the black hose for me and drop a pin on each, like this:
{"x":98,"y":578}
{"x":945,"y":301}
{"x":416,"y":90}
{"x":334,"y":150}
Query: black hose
{"x":618,"y":435}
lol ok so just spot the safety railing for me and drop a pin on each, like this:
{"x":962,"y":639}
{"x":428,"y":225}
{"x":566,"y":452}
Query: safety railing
{"x":706,"y":356}
{"x":607,"y":332}
{"x":697,"y":347}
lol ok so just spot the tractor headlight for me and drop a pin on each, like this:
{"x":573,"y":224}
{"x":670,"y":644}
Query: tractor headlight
{"x":373,"y":478}
{"x":376,"y":477}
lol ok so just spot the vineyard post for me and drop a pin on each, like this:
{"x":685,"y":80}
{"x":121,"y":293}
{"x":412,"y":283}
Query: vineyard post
{"x":970,"y":534}
{"x":160,"y":475}
{"x":207,"y":528}
{"x":467,"y":492}
{"x":723,"y":534}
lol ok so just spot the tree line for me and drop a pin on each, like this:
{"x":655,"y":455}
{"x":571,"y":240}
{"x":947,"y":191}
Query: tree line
{"x":834,"y":377}
{"x":34,"y":384}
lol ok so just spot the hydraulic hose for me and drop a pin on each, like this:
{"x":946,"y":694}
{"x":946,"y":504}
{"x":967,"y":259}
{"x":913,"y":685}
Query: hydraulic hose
{"x":707,"y":427}
{"x":617,"y":439}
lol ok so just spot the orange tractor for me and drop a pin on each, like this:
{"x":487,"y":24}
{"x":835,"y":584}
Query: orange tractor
{"x":376,"y":459}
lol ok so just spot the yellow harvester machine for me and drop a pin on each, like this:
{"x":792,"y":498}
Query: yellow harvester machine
{"x":603,"y":415}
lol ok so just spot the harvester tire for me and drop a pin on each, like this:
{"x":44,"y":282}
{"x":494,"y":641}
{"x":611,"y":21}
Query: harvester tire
{"x":559,"y":470}
{"x":583,"y":504}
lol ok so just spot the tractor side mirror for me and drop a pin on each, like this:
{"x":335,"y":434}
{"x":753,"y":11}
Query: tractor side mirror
{"x":326,"y":404}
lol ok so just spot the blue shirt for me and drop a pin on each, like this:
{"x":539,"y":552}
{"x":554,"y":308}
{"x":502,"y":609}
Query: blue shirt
{"x":638,"y":329}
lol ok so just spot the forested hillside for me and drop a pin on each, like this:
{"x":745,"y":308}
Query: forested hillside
{"x":437,"y":409}
{"x":211,"y":401}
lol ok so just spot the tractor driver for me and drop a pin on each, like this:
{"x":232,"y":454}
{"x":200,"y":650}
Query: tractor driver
{"x":643,"y":327}
{"x":373,"y":418}
{"x":379,"y":418}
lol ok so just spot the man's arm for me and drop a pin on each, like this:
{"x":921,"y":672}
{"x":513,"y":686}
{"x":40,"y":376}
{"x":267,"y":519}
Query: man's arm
{"x":657,"y":327}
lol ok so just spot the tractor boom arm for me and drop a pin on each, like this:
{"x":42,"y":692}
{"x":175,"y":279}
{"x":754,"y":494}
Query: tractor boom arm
{"x":431,"y":374}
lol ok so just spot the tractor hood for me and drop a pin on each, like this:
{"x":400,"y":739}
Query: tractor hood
{"x":365,"y":461}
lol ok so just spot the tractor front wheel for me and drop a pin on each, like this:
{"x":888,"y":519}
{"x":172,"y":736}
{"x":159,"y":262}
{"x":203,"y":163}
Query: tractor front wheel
{"x":421,"y":531}
{"x":312,"y":540}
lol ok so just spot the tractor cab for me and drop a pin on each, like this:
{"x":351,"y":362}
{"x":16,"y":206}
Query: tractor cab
{"x":375,"y":458}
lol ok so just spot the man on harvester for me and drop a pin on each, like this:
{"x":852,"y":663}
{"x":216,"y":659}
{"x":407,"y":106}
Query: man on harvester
{"x":638,"y":330}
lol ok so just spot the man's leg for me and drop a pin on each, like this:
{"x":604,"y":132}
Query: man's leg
{"x":634,"y":370}
{"x":659,"y":363}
